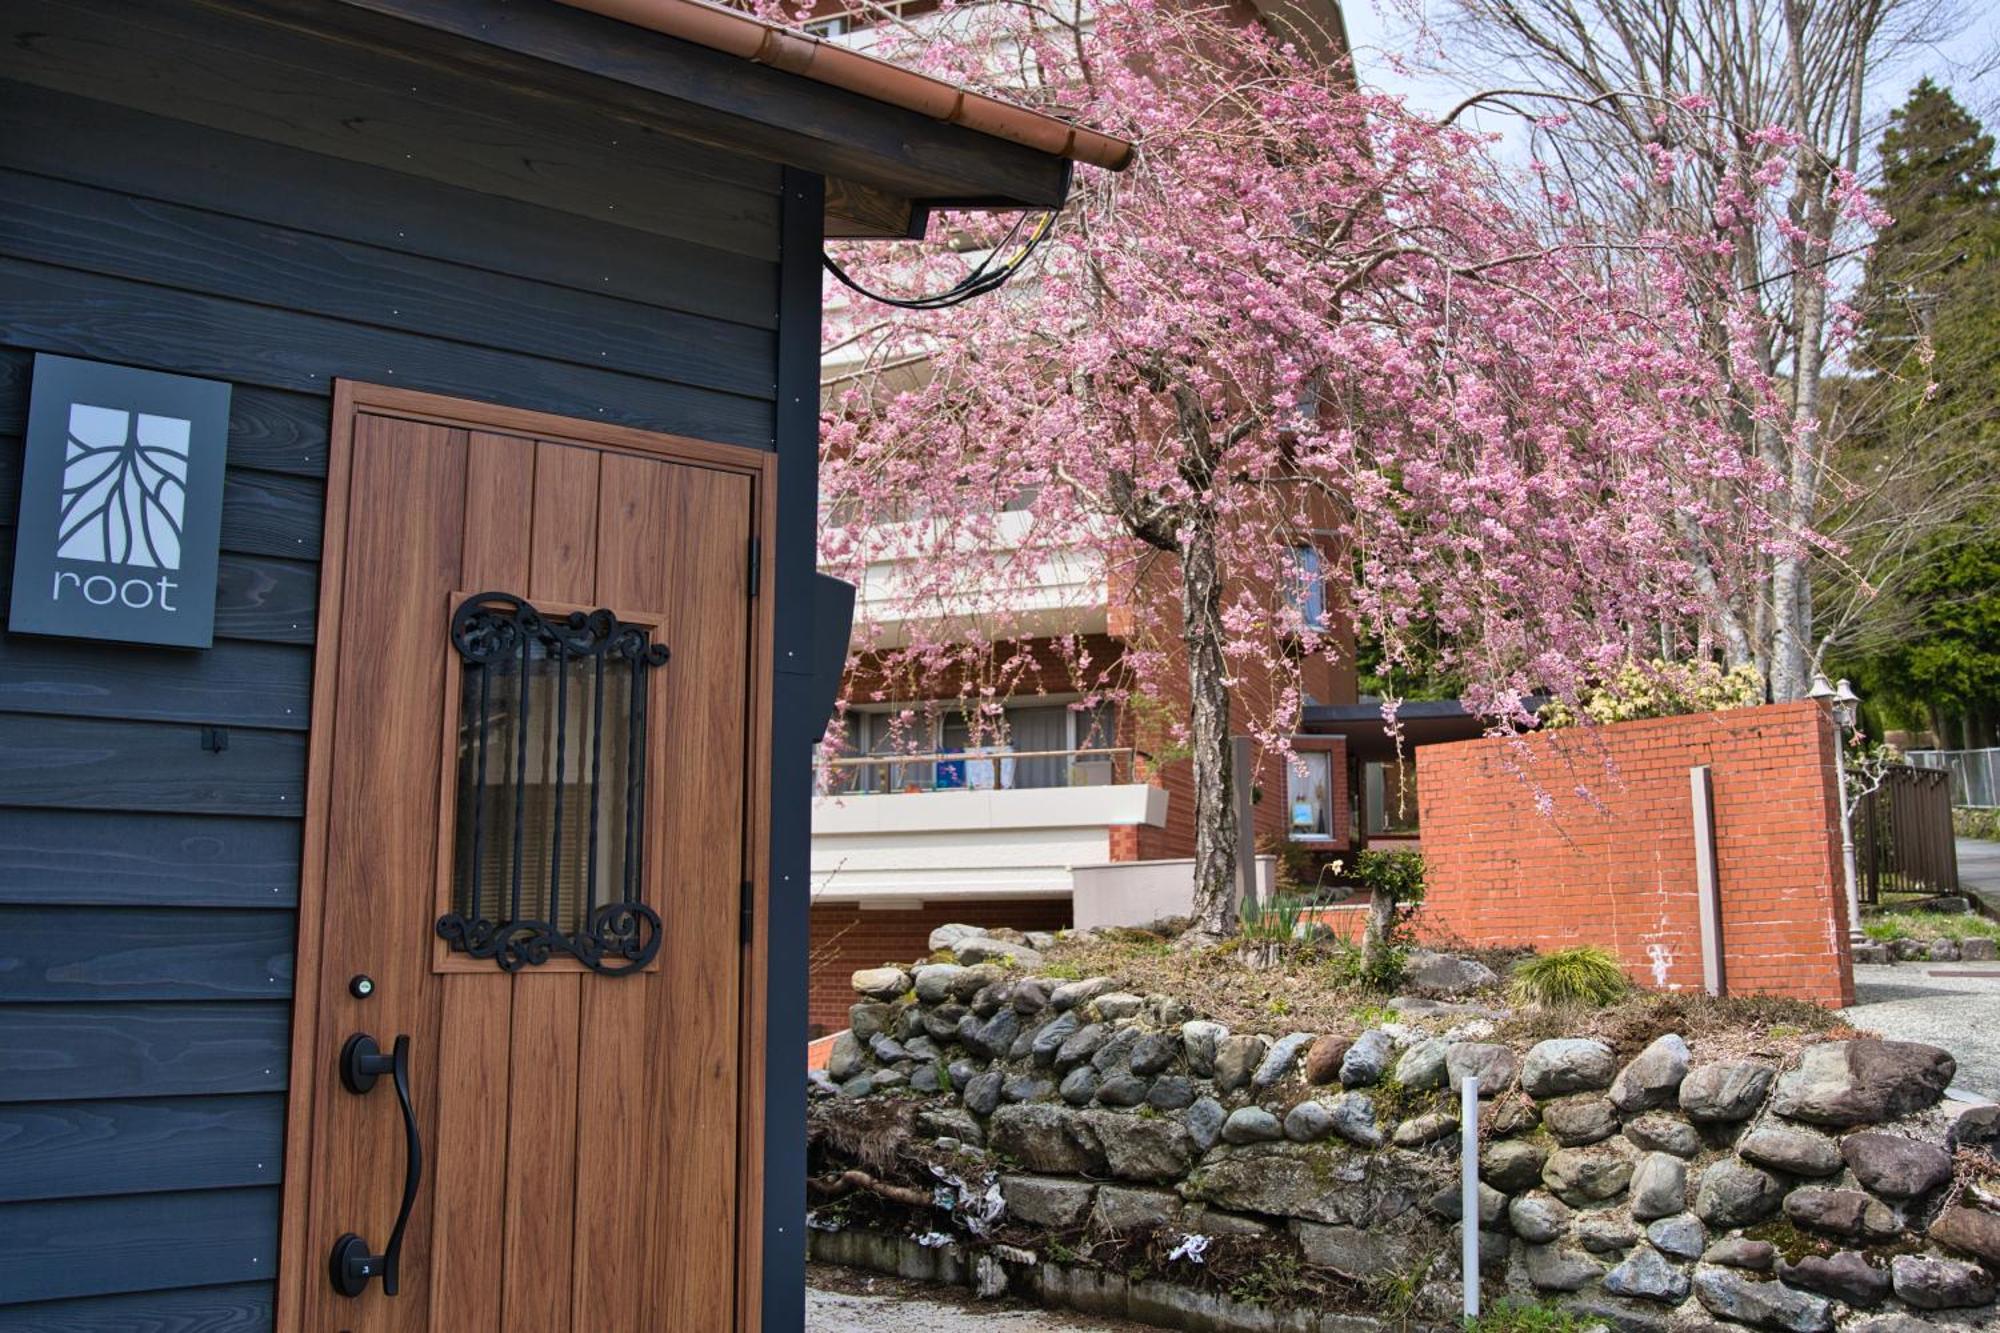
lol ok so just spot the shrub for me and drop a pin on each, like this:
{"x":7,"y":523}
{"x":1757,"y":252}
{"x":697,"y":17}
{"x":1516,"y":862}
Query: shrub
{"x":1297,"y":864}
{"x":1351,"y":966}
{"x":1275,"y":921}
{"x":1400,"y":873}
{"x":1658,"y":688}
{"x":1585,"y":975}
{"x":1971,"y":823}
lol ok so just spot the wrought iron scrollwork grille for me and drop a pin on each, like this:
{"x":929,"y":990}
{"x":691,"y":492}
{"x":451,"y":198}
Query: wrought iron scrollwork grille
{"x":551,"y":794}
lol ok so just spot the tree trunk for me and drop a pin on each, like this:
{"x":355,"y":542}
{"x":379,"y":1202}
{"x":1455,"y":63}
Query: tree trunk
{"x":1789,"y":654}
{"x":1215,"y":830}
{"x":1381,"y":920}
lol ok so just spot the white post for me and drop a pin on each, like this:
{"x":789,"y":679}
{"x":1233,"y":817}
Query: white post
{"x":1468,"y":1192}
{"x":1854,"y":933}
{"x":1246,"y":827}
{"x":1708,"y":890}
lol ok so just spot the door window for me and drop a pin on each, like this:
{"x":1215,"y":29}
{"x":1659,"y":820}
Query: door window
{"x":550,"y":808}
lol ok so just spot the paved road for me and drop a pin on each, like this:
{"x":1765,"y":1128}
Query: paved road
{"x":1953,"y":1005}
{"x":1979,"y":871}
{"x":1927,"y":1002}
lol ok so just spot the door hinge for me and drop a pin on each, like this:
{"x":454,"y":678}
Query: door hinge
{"x":756,"y":564}
{"x":748,"y":917}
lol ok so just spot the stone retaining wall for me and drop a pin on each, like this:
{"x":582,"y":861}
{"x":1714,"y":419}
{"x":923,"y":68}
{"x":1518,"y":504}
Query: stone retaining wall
{"x":1973,"y":949}
{"x":1676,"y":1187}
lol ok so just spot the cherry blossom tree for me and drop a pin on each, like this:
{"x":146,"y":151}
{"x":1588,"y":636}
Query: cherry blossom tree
{"x":1304,"y":316}
{"x":1683,"y":96}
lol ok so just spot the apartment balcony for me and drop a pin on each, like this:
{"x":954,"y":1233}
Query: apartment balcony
{"x":975,"y":824}
{"x":1061,"y":590}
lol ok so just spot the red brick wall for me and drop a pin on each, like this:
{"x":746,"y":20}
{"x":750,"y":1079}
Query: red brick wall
{"x":846,"y":939}
{"x":1613,"y":862}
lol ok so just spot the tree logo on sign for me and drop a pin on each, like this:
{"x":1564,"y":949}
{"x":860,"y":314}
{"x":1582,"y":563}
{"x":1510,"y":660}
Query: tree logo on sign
{"x":124,"y":487}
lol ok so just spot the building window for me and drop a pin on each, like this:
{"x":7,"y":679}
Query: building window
{"x":1307,"y":785}
{"x":1308,"y":593}
{"x":1388,"y":799}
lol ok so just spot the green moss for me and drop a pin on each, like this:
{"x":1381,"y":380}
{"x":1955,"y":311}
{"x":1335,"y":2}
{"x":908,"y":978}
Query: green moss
{"x":1325,"y":1159}
{"x":1061,"y":971}
{"x":1791,"y":1243}
{"x":1396,"y":1101}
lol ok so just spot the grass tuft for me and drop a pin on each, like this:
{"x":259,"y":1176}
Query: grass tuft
{"x":1585,"y":975}
{"x":1525,"y":1317}
{"x":1930,"y":926}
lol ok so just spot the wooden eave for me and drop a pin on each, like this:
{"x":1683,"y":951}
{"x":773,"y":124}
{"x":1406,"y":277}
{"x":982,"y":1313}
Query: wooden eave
{"x":886,"y":166}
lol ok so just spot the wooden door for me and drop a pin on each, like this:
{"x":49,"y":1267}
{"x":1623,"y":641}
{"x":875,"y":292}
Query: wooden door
{"x":582,"y":1131}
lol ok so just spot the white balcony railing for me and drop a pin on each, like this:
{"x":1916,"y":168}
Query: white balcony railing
{"x":977,"y":768}
{"x":906,"y":829}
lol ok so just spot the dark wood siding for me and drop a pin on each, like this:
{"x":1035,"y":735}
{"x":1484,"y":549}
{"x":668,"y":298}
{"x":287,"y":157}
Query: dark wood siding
{"x":157,"y":212}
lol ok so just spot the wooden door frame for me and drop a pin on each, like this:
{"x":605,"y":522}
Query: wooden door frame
{"x":351,"y":398}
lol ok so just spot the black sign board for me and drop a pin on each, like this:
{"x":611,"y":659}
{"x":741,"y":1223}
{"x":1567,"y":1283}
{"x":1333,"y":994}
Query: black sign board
{"x":121,"y":504}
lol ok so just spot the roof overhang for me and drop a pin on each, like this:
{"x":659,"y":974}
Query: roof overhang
{"x":893,"y":145}
{"x":1421,"y":722}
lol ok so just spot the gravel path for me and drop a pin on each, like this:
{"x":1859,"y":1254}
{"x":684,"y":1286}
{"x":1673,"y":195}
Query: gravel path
{"x":847,"y":1300}
{"x":1953,"y":1005}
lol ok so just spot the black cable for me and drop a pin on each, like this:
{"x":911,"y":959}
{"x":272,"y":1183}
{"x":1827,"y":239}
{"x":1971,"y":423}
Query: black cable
{"x":976,"y":283}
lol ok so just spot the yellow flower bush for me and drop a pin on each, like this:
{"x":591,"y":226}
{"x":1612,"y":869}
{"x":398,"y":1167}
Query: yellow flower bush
{"x":1659,"y":688}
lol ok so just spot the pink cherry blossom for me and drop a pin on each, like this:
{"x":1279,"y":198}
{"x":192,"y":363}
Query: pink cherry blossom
{"x":1306,"y":316}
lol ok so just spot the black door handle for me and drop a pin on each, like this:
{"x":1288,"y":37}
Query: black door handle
{"x":352,"y":1265}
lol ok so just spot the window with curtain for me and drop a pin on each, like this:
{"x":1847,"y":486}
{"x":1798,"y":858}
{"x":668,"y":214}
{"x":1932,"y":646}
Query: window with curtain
{"x":1041,"y":727}
{"x":1308,"y":595}
{"x":1308,"y":782}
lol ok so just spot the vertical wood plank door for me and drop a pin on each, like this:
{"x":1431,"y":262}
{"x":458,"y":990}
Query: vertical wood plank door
{"x":576,"y":1106}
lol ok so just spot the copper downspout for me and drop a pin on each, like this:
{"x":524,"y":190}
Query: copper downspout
{"x":748,"y":38}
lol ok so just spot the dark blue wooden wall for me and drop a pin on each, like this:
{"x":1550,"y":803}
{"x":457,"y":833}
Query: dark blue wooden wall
{"x":433,"y":231}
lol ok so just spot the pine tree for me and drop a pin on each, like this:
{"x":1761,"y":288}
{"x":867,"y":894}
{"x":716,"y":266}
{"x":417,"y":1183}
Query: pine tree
{"x":1941,"y":186}
{"x":1931,"y":340}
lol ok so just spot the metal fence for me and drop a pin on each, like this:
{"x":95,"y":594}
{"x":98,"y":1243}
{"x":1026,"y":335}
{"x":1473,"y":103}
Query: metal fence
{"x":1902,"y":834}
{"x":1975,"y":774}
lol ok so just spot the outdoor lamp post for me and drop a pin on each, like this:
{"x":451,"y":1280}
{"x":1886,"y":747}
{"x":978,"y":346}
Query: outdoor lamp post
{"x":1846,"y":710}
